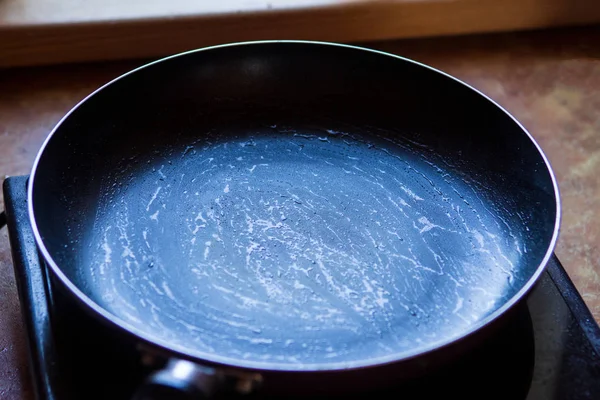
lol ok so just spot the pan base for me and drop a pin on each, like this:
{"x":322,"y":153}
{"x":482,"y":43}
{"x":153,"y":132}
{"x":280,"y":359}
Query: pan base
{"x":306,"y":248}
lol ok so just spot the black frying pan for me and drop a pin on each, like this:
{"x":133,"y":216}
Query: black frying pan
{"x":283,"y":211}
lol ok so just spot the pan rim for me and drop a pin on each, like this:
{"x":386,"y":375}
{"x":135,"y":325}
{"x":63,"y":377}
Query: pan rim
{"x":228,"y":362}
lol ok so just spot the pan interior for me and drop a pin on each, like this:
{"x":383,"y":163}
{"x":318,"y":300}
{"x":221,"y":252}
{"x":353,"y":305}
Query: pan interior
{"x":293,"y":205}
{"x":299,"y":246}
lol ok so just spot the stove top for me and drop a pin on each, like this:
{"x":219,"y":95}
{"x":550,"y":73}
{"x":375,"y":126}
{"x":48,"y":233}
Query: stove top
{"x":549,"y":348}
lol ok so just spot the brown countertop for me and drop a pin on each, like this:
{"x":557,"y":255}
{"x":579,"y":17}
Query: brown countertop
{"x":549,"y":80}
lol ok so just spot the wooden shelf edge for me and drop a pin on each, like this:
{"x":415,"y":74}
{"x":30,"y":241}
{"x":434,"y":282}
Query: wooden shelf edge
{"x":122,"y":39}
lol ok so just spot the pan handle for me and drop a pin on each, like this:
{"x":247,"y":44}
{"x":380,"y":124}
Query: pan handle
{"x":180,"y":380}
{"x":185,"y":380}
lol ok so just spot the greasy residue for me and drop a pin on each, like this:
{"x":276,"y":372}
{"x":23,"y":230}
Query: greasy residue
{"x":301,"y":247}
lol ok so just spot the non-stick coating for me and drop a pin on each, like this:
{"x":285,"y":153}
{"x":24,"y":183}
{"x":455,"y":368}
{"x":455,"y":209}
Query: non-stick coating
{"x":294,"y":205}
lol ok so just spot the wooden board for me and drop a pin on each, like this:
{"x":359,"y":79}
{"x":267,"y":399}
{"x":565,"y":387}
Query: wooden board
{"x":54,"y":31}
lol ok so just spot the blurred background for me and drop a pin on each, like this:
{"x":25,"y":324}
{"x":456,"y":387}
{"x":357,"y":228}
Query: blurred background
{"x":58,"y":31}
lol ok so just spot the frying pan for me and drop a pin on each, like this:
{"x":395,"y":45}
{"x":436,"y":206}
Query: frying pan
{"x":285,"y":212}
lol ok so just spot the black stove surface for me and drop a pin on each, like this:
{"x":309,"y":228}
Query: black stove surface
{"x":549,"y":348}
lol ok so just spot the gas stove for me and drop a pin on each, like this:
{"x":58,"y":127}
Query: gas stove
{"x":548,"y":349}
